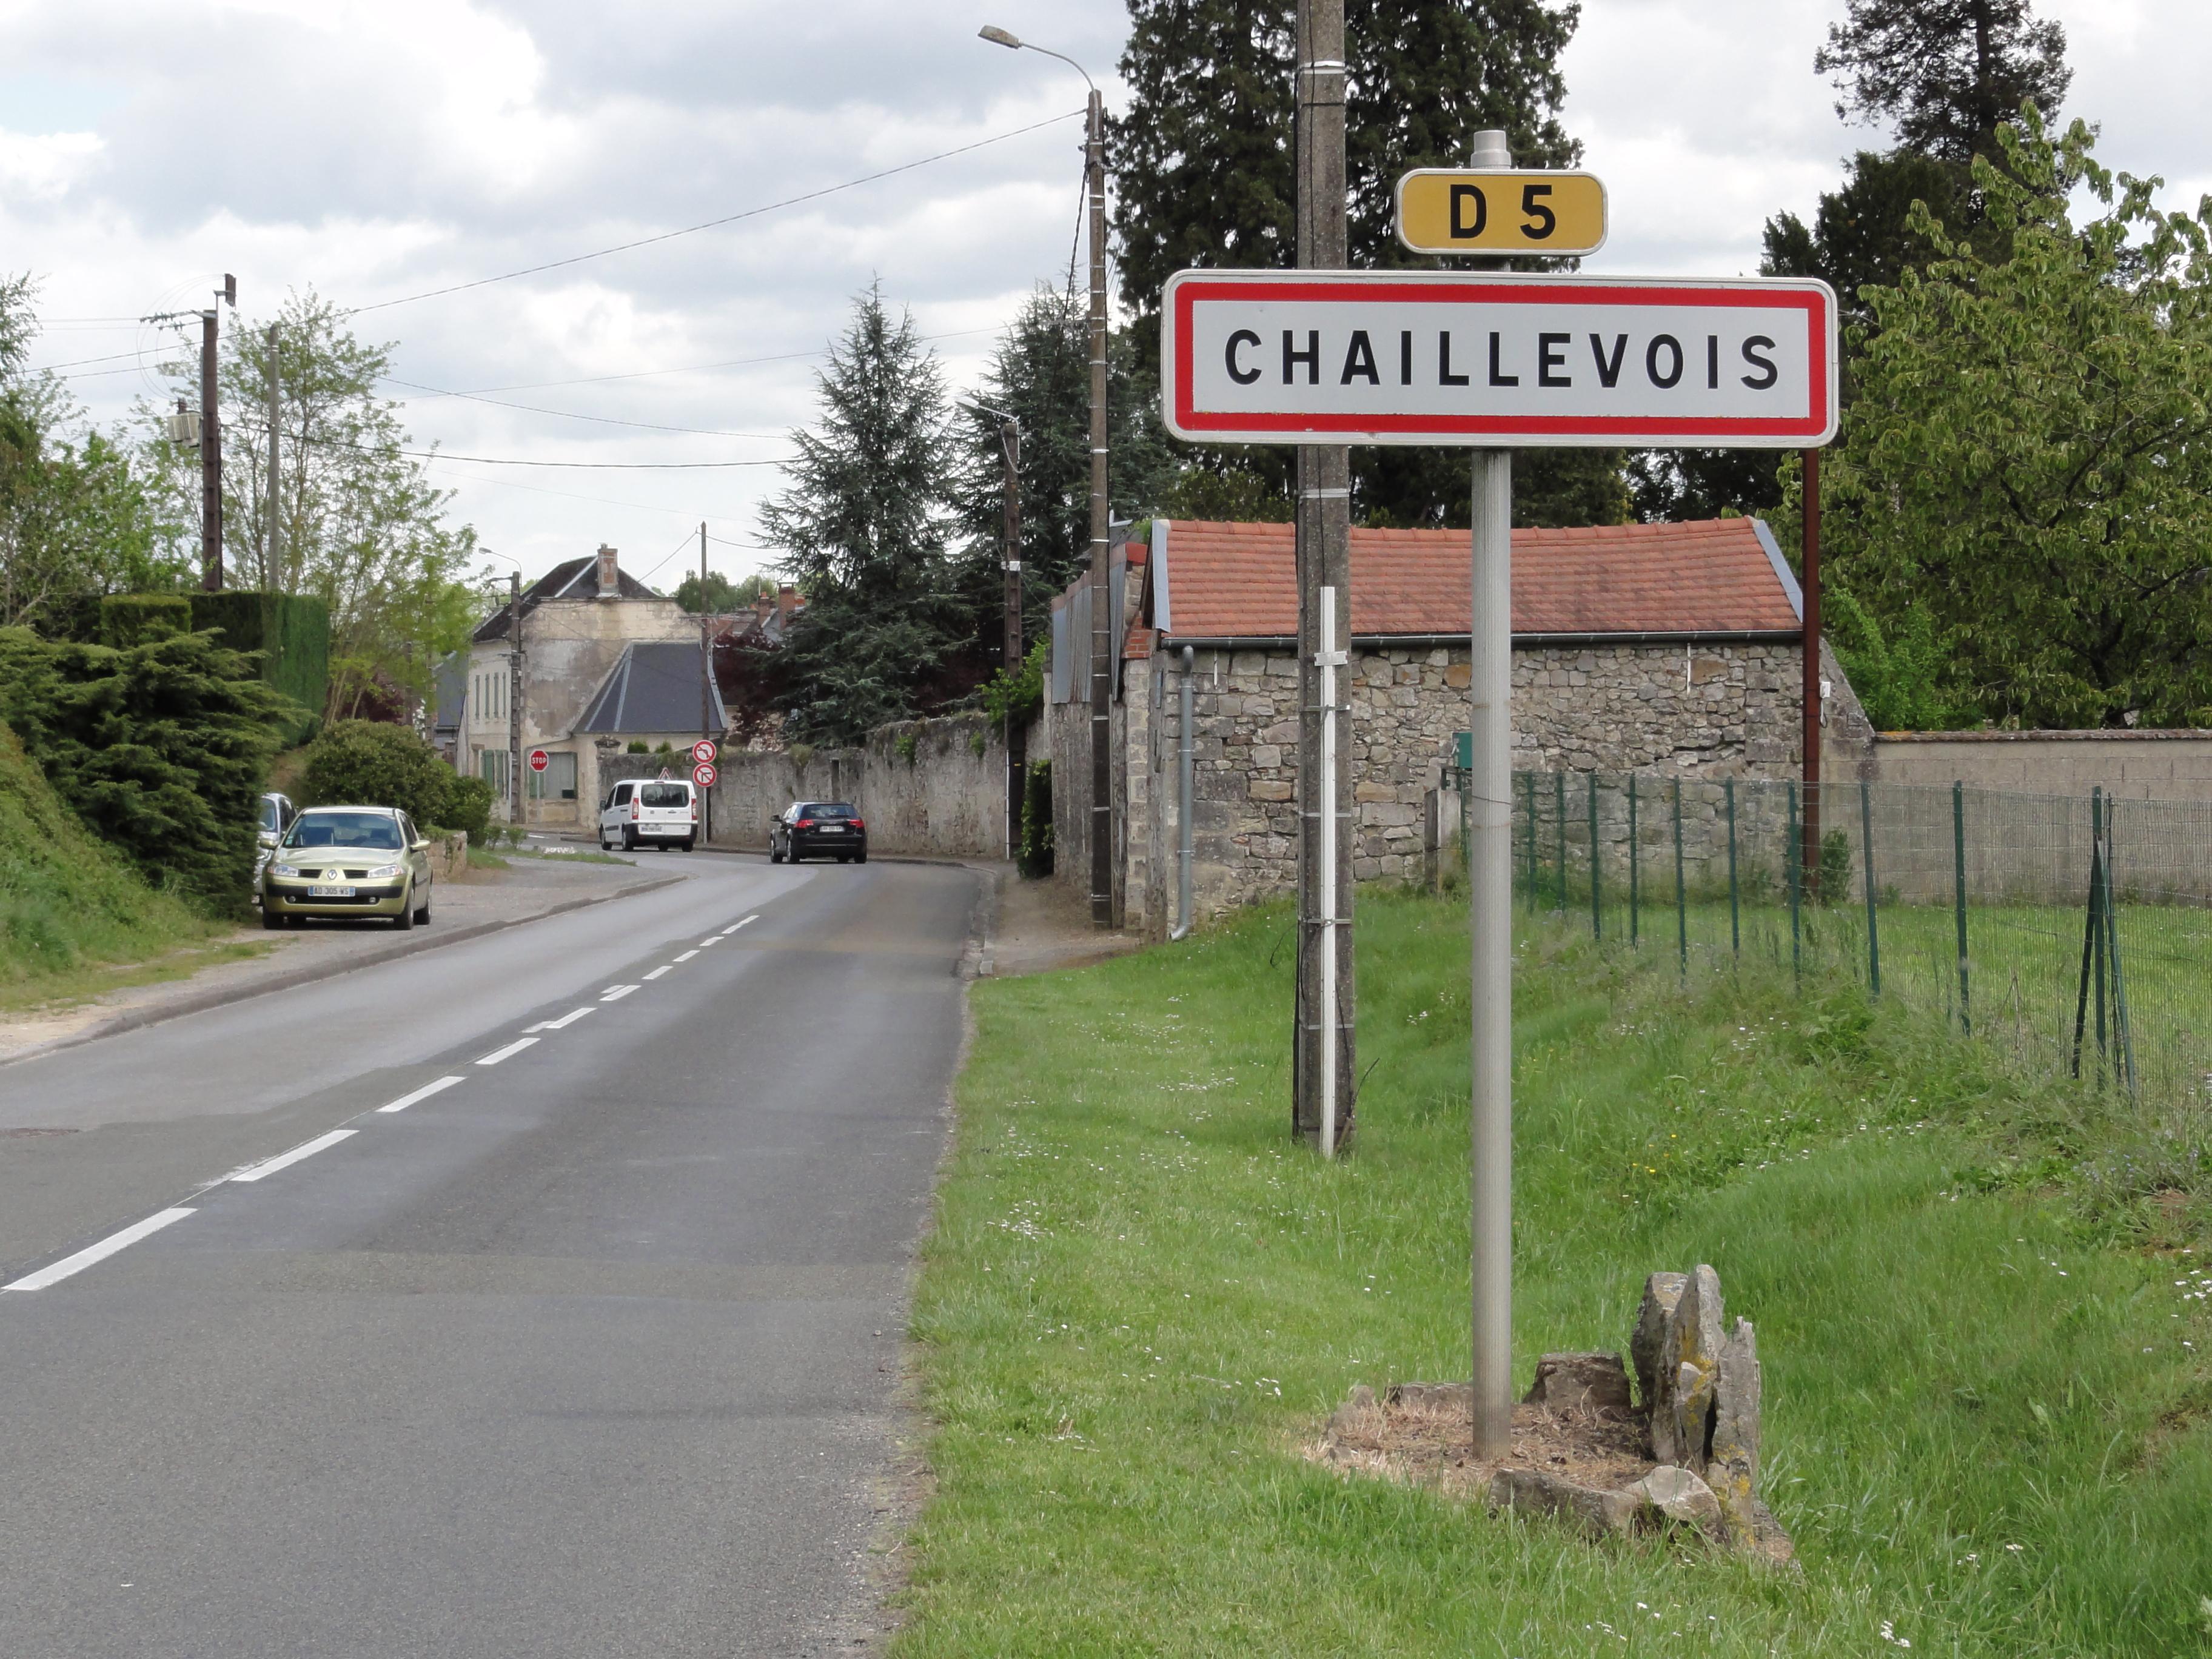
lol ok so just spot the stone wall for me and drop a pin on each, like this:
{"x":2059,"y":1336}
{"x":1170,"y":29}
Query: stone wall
{"x":1706,"y":713}
{"x":935,"y":787}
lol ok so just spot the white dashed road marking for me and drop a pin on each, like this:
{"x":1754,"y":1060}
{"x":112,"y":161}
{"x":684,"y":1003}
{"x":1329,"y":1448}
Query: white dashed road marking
{"x":658,"y":971}
{"x":687,"y":955}
{"x":422,"y":1093}
{"x":566,"y":1020}
{"x":285,"y":1160}
{"x":507,"y":1053}
{"x":100,"y":1252}
{"x":616,"y":993}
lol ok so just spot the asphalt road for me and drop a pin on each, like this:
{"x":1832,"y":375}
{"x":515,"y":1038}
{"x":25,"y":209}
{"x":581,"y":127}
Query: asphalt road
{"x":591,"y":1352}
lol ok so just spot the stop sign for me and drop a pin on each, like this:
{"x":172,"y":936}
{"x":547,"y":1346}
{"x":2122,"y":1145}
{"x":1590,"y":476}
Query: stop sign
{"x":703,"y":751}
{"x":539,"y":760}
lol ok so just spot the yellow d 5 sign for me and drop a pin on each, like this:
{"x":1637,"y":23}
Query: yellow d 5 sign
{"x":1474,"y":210}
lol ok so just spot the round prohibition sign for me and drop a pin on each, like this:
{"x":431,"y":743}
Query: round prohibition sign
{"x":539,"y":760}
{"x":703,"y":751}
{"x":703,"y":774}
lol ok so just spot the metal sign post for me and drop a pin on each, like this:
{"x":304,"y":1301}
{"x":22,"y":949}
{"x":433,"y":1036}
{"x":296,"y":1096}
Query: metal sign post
{"x":1327,"y":661}
{"x":1493,"y":361}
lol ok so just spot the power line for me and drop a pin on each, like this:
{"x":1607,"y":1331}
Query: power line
{"x":602,"y":420}
{"x":506,"y":461}
{"x":728,"y":219}
{"x":692,"y":368}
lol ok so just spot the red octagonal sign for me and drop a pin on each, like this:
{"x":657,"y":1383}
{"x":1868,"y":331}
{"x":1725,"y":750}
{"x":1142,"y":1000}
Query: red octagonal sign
{"x":539,"y":760}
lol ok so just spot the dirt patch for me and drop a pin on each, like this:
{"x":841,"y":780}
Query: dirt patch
{"x":1422,"y":1434}
{"x":1043,"y":924}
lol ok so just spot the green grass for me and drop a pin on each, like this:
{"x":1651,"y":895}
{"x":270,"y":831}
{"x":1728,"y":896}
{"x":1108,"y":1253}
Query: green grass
{"x":71,"y":908}
{"x":1140,"y":1300}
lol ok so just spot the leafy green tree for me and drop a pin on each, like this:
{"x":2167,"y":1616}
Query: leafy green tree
{"x":159,"y":749}
{"x":1902,"y":674}
{"x":75,"y":520}
{"x":376,"y":763}
{"x":863,"y":531}
{"x":2028,"y":459}
{"x":1945,"y":72}
{"x":723,"y":596}
{"x":361,"y":525}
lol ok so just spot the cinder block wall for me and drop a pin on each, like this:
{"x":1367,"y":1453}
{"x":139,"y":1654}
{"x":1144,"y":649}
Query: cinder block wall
{"x":2133,"y":765}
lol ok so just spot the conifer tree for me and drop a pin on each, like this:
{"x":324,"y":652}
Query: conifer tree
{"x":863,"y":531}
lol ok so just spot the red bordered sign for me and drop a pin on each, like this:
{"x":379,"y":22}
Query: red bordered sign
{"x":703,"y":751}
{"x":703,"y":774}
{"x":539,"y":760}
{"x":1499,"y":359}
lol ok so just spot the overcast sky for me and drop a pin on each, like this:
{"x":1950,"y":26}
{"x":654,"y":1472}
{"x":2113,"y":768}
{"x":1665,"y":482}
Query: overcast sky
{"x":374,"y":149}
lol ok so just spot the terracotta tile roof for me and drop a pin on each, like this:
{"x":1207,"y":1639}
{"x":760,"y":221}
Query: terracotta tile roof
{"x":1238,"y":581}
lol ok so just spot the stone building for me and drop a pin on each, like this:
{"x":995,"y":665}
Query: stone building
{"x":580,"y":621}
{"x":1669,"y":649}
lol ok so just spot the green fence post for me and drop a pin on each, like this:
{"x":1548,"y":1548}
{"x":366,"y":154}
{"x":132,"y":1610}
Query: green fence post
{"x":1597,"y":926}
{"x":1792,"y":861}
{"x":1735,"y":925}
{"x":2097,"y":890}
{"x":1635,"y":897}
{"x":2092,"y":936}
{"x":2123,"y":1060}
{"x":1559,"y":821}
{"x":1535,"y":899}
{"x":1959,"y":896}
{"x":1682,"y":904}
{"x":1866,"y":870}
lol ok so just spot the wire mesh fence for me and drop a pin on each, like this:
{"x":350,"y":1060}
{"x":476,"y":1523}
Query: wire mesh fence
{"x":2075,"y":929}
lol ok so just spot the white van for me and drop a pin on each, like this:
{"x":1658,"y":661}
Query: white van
{"x":664,"y":810}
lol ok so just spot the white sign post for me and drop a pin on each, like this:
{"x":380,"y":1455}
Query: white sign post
{"x":1494,"y":362}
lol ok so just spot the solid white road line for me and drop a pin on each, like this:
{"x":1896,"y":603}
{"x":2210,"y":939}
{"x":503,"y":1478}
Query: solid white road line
{"x":100,"y":1252}
{"x":507,"y":1053}
{"x":616,"y":993}
{"x":687,"y":955}
{"x":658,"y":971}
{"x":285,"y":1160}
{"x":422,"y":1093}
{"x":562,"y":1023}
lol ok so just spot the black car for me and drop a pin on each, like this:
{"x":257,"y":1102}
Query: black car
{"x":811,"y":829}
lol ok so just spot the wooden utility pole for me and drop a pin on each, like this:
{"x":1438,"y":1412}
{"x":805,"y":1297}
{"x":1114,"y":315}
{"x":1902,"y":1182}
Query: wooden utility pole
{"x":211,"y":445}
{"x":1322,"y":1094}
{"x":706,"y":692}
{"x":1808,"y":855}
{"x":1104,"y":625}
{"x":515,"y":810}
{"x":271,"y":577}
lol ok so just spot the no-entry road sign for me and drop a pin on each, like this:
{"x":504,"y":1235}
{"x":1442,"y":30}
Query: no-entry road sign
{"x":1479,"y":210}
{"x":539,"y":760}
{"x":703,"y":750}
{"x":1498,"y":360}
{"x":703,"y":774}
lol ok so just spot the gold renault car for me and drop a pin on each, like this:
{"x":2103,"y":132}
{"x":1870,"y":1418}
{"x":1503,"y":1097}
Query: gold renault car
{"x":348,"y":861}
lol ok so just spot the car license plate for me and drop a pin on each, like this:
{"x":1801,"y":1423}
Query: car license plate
{"x":330,"y":892}
{"x":833,"y":829}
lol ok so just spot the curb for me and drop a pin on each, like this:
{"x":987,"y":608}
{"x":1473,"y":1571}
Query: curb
{"x":199,"y":1004}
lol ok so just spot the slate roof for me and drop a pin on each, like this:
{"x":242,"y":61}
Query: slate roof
{"x":652,"y":687}
{"x":1715,"y":577}
{"x":571,"y":579}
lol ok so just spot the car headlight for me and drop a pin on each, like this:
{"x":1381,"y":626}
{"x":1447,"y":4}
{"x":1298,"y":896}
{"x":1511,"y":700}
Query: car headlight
{"x":382,"y":870}
{"x":292,"y":872}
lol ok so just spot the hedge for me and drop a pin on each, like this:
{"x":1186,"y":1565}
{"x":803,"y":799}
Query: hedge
{"x":129,"y":619}
{"x":292,"y":631}
{"x":374,"y":763}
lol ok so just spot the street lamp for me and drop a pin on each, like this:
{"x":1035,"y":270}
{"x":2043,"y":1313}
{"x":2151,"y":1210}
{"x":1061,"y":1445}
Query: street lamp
{"x":1009,"y":455}
{"x":514,"y":811}
{"x":1102,"y":625}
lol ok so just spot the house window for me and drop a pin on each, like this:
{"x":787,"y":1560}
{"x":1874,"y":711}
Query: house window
{"x":491,"y":766}
{"x":557,"y":781}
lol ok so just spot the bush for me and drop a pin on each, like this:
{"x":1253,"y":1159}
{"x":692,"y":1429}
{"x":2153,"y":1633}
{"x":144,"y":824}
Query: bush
{"x":1035,"y":858}
{"x":636,"y":747}
{"x":129,"y":619}
{"x":159,"y":750}
{"x":468,"y":809}
{"x":371,"y":763}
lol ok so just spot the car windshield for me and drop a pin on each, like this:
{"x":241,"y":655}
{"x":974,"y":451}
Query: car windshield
{"x":828,"y":809}
{"x":664,"y":794}
{"x":374,"y":832}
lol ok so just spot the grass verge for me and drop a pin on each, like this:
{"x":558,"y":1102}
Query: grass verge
{"x":1984,"y":1396}
{"x":70,"y":908}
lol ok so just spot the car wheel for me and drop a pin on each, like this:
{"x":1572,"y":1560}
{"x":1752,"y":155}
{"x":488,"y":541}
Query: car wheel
{"x":405,"y":918}
{"x":629,"y":840}
{"x":691,"y":843}
{"x":774,"y":857}
{"x":295,"y":921}
{"x":269,"y":919}
{"x":860,"y":857}
{"x":422,"y":915}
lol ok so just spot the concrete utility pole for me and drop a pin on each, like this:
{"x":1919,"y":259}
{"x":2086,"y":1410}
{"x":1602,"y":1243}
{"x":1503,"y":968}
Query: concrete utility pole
{"x":516,"y":809}
{"x":271,"y":577}
{"x":1490,"y":923}
{"x":1104,"y":627}
{"x":705,"y":681}
{"x":211,"y":445}
{"x":1322,"y":1110}
{"x":1809,"y":855}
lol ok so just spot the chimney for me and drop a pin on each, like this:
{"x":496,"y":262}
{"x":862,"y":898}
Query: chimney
{"x":787,"y":601}
{"x":610,"y":577}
